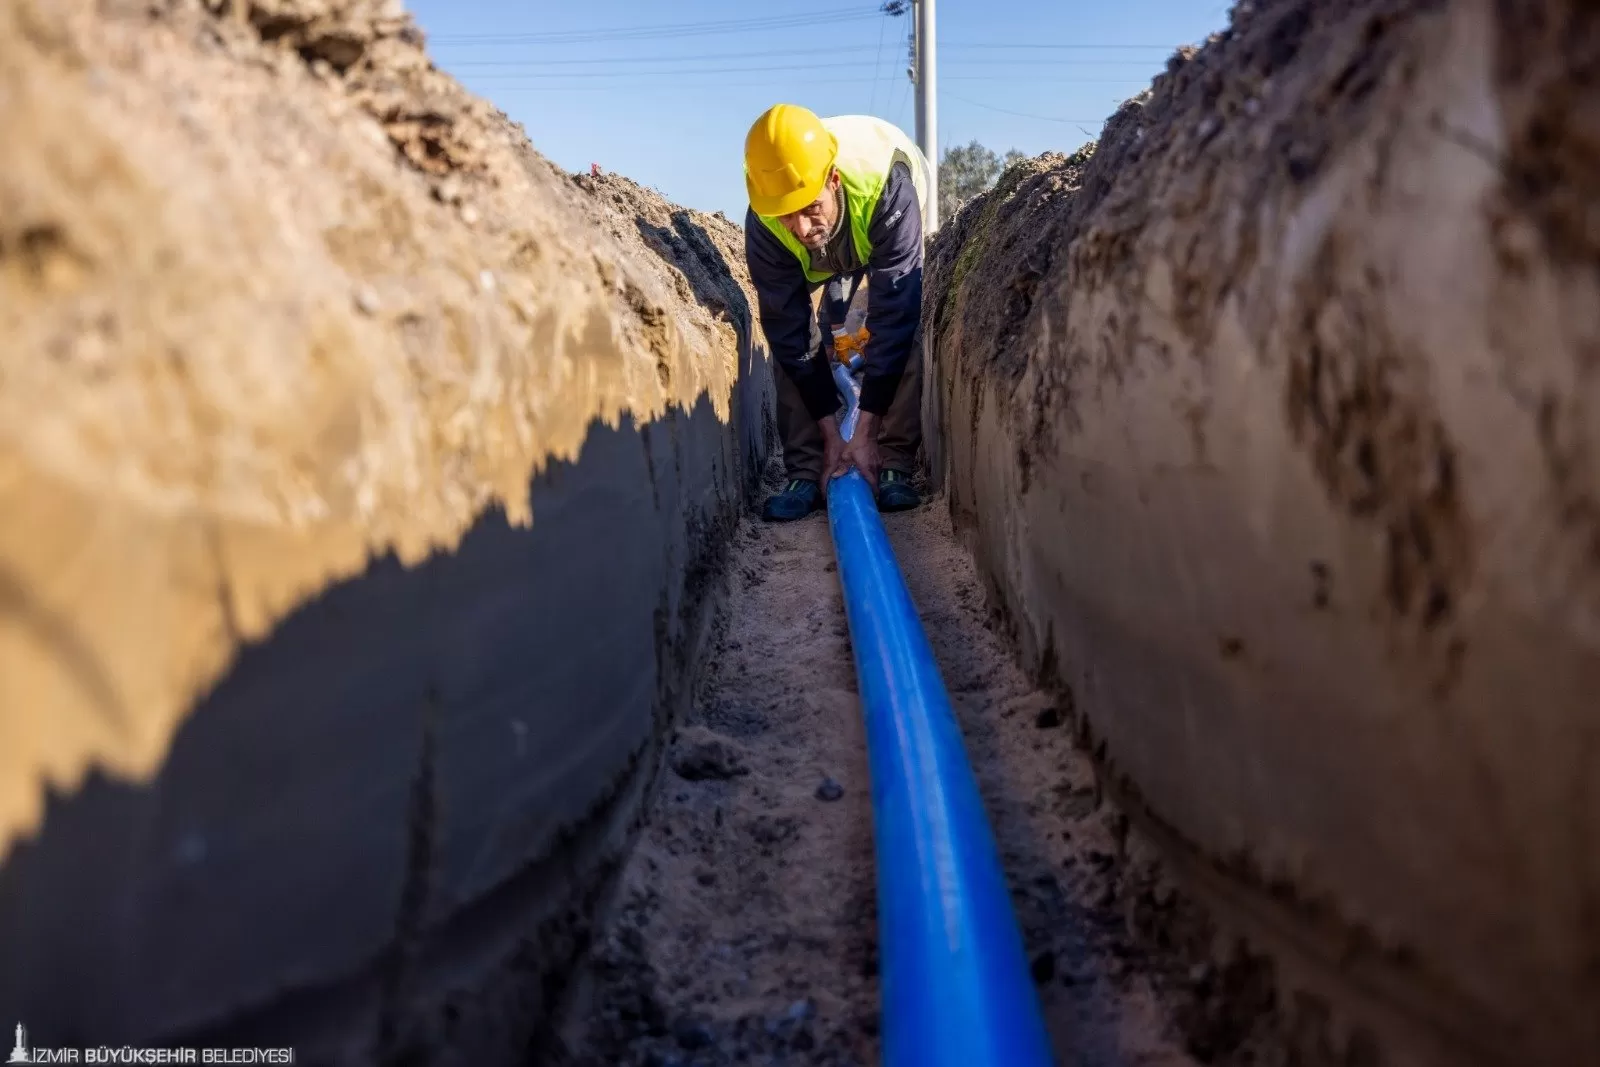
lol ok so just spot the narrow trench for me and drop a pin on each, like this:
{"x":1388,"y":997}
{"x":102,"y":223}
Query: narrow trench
{"x":744,"y":930}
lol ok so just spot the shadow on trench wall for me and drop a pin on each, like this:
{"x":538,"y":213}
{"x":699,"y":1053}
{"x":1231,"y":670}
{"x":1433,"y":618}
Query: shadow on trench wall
{"x":410,"y":792}
{"x":686,"y":246}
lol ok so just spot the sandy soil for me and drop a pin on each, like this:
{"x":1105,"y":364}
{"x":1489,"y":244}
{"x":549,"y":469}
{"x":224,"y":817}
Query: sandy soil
{"x":322,"y":395}
{"x":1273,"y":422}
{"x":280,"y":297}
{"x":744,"y":930}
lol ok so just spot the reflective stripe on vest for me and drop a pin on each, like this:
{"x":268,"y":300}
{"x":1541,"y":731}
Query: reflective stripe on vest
{"x":868,"y":149}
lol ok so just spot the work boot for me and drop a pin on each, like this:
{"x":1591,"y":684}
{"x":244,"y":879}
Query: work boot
{"x":895,"y":491}
{"x":798,"y":499}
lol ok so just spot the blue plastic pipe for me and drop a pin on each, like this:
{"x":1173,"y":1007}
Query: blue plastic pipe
{"x":956,"y":987}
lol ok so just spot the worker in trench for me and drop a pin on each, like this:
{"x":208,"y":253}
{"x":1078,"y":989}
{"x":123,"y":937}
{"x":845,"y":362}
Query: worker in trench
{"x":832,"y":202}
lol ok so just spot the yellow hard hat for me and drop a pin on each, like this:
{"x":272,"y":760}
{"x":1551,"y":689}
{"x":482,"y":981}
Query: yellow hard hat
{"x":787,"y":157}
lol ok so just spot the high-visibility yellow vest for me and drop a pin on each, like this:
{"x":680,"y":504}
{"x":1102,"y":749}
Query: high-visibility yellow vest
{"x":868,"y":149}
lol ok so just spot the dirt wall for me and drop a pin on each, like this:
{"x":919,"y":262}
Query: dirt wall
{"x":364,"y":478}
{"x":1274,"y":421}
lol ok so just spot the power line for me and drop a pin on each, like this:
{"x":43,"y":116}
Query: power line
{"x":909,"y":87}
{"x":1048,"y":81}
{"x":636,"y":73}
{"x":629,"y":62}
{"x":535,"y":67}
{"x":877,"y":65}
{"x":674,"y":28}
{"x":1020,"y":114}
{"x":713,"y":86}
{"x":664,"y":31}
{"x":897,"y":111}
{"x":1106,"y":47}
{"x":668,"y":77}
{"x":1012,"y":62}
{"x":479,"y":40}
{"x":655,"y":59}
{"x":532,"y":75}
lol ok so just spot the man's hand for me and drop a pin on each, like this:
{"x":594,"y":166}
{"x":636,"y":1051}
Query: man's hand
{"x":861,"y":451}
{"x":833,"y":446}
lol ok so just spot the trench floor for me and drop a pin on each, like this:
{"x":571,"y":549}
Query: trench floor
{"x":744,"y":930}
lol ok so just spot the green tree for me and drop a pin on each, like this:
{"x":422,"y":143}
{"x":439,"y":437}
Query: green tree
{"x":967,"y":170}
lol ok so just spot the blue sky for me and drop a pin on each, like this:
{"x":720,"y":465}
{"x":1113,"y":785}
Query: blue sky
{"x":664,"y":92}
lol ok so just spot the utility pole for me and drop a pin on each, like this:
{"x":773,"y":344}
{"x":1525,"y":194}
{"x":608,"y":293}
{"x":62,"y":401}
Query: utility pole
{"x":916,"y":64}
{"x":927,"y":82}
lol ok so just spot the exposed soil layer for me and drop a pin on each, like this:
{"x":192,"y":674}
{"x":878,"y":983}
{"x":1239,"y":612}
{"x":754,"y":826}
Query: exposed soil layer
{"x":1273,"y":420}
{"x":744,"y":927}
{"x":364,"y":477}
{"x":367,"y":482}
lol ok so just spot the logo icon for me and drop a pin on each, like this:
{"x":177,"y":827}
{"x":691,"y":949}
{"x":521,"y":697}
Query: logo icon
{"x":19,"y":1053}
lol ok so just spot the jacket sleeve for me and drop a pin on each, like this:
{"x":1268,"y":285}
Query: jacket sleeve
{"x":783,"y":298}
{"x":894,"y":289}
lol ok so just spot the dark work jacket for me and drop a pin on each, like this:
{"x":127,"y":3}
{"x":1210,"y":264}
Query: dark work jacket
{"x":894,"y":301}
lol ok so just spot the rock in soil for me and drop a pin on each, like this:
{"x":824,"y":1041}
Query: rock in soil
{"x":706,"y":758}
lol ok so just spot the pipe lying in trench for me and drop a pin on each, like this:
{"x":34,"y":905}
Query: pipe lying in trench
{"x":956,"y":987}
